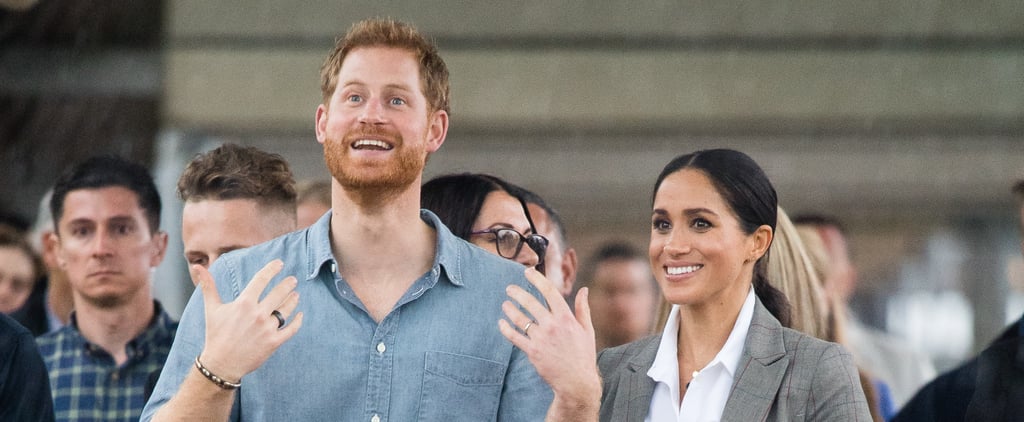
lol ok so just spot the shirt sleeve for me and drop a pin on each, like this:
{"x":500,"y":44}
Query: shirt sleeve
{"x":525,"y":396}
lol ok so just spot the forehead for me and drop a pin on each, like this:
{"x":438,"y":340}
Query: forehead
{"x":380,"y":65}
{"x":501,"y":208}
{"x":214,"y":223}
{"x":12,"y":257}
{"x":97,"y":204}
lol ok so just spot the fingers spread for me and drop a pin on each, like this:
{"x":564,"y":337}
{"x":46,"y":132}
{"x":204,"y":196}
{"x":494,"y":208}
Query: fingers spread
{"x":278,"y":294}
{"x":528,"y":302}
{"x":262,"y":278}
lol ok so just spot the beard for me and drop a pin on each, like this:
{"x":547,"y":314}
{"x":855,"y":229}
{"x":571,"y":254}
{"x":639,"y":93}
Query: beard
{"x":380,"y":179}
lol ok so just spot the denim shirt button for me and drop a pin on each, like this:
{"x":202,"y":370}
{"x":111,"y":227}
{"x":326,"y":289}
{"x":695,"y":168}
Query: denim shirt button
{"x":375,"y":418}
{"x":381,"y":347}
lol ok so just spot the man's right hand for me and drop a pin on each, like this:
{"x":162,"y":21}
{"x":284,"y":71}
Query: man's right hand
{"x":242,"y":334}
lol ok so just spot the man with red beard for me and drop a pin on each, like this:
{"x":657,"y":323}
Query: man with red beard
{"x":397,"y":315}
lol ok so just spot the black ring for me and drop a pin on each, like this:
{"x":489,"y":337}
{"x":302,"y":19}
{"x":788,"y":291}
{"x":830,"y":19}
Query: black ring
{"x":280,"y":318}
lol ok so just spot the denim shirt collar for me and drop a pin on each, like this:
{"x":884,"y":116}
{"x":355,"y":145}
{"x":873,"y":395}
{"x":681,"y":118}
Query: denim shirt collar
{"x":447,"y":258}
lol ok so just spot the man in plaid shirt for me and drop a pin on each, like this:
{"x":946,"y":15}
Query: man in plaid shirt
{"x":106,"y":213}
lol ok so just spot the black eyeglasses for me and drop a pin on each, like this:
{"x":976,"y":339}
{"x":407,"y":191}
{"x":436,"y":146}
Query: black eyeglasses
{"x":510,"y":242}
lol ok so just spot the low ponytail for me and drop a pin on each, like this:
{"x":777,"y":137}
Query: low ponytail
{"x":772,"y":298}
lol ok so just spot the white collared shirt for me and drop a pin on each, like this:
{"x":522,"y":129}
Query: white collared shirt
{"x":705,"y":398}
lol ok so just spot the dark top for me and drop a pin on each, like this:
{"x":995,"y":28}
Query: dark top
{"x":24,"y":385}
{"x":989,"y":387}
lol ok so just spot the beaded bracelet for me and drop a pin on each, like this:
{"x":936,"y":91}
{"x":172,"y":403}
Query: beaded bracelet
{"x":220,"y":382}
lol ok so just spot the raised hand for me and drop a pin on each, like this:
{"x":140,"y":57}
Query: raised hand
{"x":560,"y":345}
{"x":242,"y":334}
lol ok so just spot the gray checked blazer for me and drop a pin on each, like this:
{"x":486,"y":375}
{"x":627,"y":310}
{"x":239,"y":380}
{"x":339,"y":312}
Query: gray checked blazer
{"x":783,"y":375}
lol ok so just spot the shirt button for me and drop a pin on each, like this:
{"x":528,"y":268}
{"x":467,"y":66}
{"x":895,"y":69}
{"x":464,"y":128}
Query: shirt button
{"x":334,"y":267}
{"x":375,"y":418}
{"x":381,"y":347}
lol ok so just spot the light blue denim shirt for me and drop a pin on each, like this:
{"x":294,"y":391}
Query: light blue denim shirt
{"x":437,"y":356}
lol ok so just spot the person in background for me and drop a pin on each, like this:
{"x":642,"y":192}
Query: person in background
{"x":24,"y":385}
{"x":376,"y":312}
{"x":889,"y":358}
{"x":482,"y":210}
{"x":313,"y":201}
{"x":623,"y":294}
{"x":235,"y":197}
{"x":560,"y":260}
{"x":797,"y":267}
{"x":106,"y":211}
{"x":19,"y":269}
{"x":49,"y":307}
{"x":724,"y":353}
{"x":988,"y":387}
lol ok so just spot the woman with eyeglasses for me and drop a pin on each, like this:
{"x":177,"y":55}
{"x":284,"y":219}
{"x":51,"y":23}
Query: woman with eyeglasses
{"x":724,"y":354}
{"x":488,"y":212}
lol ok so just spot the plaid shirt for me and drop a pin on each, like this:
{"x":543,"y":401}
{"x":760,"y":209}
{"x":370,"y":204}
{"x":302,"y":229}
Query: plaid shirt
{"x":86,"y":383}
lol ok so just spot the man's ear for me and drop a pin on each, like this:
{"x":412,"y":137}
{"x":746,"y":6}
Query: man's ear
{"x":569,"y":267}
{"x":437,"y":130}
{"x":321,"y":123}
{"x":159,"y":248}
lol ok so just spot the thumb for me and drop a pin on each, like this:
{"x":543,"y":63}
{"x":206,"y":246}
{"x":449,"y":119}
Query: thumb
{"x":208,"y":286}
{"x":583,"y":309}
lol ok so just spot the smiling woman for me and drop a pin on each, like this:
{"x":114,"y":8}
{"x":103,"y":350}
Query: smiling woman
{"x":723,"y":354}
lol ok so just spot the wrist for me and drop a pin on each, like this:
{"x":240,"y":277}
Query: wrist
{"x":218,"y":380}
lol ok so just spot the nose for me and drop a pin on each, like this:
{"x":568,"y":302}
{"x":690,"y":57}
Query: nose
{"x":677,"y":243}
{"x":101,"y":245}
{"x":527,"y":257}
{"x":372,"y":113}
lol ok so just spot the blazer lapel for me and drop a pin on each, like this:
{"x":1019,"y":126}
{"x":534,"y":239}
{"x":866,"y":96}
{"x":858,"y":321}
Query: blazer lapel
{"x":641,"y":386}
{"x":761,"y":370}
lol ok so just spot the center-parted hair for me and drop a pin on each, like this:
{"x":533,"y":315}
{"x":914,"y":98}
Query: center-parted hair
{"x":458,"y":198}
{"x":232,"y":171}
{"x":390,"y":33}
{"x":751,"y":197}
{"x":105,"y":171}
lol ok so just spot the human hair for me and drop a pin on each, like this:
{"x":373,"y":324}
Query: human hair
{"x":792,"y":271}
{"x":104,"y":171}
{"x":615,"y":250}
{"x":386,"y":32}
{"x":750,"y":196}
{"x":556,"y":219}
{"x":318,"y":191}
{"x":458,"y":198}
{"x":13,"y":237}
{"x":232,"y":171}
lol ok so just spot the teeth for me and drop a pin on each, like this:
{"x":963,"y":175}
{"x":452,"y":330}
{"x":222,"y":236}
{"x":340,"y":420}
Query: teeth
{"x":683,"y":270}
{"x":371,"y":143}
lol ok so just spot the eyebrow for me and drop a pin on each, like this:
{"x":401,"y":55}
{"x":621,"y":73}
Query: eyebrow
{"x":690,"y":212}
{"x":359,"y":83}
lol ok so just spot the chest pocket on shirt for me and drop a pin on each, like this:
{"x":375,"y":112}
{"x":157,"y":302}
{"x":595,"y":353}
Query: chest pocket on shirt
{"x":460,"y":388}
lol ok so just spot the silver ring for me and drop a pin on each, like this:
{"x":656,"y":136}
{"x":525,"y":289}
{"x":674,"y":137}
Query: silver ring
{"x":280,"y":318}
{"x":526,"y":328}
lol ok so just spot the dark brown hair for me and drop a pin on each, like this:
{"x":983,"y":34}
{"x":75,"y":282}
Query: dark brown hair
{"x":751,"y":196}
{"x":231,"y":171}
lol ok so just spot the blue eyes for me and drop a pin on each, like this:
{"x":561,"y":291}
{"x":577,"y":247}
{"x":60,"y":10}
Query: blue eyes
{"x":394,"y":101}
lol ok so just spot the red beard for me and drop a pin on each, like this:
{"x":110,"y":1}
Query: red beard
{"x":376,"y":177}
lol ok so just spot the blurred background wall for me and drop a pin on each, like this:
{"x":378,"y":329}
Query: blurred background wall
{"x":903,"y":118}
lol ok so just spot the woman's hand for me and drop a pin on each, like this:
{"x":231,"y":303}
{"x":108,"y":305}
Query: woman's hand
{"x":242,"y":334}
{"x":560,"y":345}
